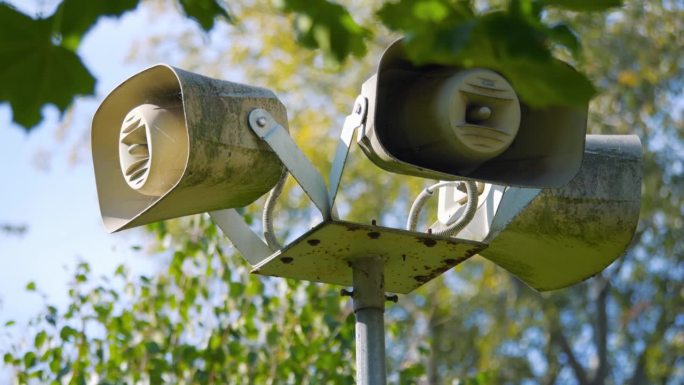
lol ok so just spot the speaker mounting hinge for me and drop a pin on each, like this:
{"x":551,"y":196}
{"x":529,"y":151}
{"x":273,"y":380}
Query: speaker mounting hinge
{"x":352,"y":122}
{"x":266,"y":128}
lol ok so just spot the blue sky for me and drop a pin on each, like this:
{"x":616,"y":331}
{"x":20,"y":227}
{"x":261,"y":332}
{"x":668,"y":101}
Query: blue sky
{"x":55,"y":197}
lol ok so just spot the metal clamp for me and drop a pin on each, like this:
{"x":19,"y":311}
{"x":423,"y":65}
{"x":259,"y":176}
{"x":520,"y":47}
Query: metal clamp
{"x":251,"y":246}
{"x":353,"y":121}
{"x":263,"y":124}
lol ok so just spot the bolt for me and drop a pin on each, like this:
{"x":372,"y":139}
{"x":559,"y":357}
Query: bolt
{"x":392,"y":298}
{"x":357,"y":108}
{"x":374,"y":222}
{"x":261,"y":121}
{"x":478,"y":114}
{"x":346,"y":293}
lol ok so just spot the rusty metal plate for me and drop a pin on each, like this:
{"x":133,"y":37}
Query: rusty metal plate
{"x":411,"y":259}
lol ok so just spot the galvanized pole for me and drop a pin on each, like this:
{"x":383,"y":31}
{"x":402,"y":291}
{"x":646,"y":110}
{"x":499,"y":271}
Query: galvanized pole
{"x":369,"y":308}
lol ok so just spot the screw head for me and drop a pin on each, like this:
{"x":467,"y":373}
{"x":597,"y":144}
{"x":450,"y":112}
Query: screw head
{"x":261,"y":121}
{"x":357,"y":109}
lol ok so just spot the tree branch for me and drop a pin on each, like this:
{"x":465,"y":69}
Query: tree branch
{"x":601,"y":333}
{"x":553,"y":367}
{"x":577,"y":368}
{"x":637,"y":377}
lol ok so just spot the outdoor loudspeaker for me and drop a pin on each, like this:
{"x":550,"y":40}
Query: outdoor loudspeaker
{"x":450,"y":123}
{"x":554,"y":237}
{"x":168,"y":143}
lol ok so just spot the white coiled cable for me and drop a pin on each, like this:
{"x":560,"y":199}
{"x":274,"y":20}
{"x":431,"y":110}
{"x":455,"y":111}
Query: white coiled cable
{"x":460,"y":223}
{"x":267,"y":214}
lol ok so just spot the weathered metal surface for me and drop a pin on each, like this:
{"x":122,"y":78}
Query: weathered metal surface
{"x":552,"y":238}
{"x":324,"y":254}
{"x":263,"y":125}
{"x":369,"y":309}
{"x":224,"y":155}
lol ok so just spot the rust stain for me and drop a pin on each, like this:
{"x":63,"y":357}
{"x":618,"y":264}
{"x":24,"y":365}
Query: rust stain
{"x":439,"y":270}
{"x":286,"y":260}
{"x":459,"y":260}
{"x":421,"y":278}
{"x":427,"y":242}
{"x":373,"y":235}
{"x":313,"y":242}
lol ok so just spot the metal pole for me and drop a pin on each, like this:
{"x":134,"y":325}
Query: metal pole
{"x":369,"y":308}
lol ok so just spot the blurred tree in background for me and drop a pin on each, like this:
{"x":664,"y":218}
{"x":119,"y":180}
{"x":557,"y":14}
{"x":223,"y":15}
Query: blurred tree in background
{"x":205,"y":320}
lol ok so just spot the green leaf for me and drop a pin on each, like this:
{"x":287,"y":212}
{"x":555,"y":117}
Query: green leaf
{"x":411,"y":374}
{"x":583,"y":5}
{"x":152,"y":347}
{"x":35,"y":72}
{"x":39,"y":339}
{"x":51,"y":317}
{"x":55,"y":364}
{"x":511,"y":43}
{"x":431,"y":10}
{"x":552,"y":83}
{"x":120,"y":271}
{"x":67,"y":332}
{"x":76,"y":17}
{"x":31,"y":286}
{"x":482,"y":378}
{"x":421,"y":15}
{"x":8,"y":358}
{"x":327,"y":26}
{"x":29,"y":359}
{"x":205,"y":12}
{"x":563,"y":35}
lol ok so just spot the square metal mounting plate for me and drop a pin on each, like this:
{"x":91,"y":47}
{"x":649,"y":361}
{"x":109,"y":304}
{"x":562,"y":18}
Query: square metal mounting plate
{"x":323,"y":254}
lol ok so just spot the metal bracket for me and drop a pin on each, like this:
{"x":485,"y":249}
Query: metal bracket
{"x":263,"y":124}
{"x":353,"y":121}
{"x":250,"y":245}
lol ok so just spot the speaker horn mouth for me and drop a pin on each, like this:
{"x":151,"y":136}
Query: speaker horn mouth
{"x":152,"y":142}
{"x":484,"y":111}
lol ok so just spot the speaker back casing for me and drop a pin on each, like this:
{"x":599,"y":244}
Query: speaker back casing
{"x":553,"y":238}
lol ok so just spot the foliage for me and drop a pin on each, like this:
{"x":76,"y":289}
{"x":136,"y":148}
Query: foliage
{"x":203,"y":320}
{"x":34,"y":70}
{"x":39,"y":56}
{"x":328,"y":26}
{"x":514,"y":40}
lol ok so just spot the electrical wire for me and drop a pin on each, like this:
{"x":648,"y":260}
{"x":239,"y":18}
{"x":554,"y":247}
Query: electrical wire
{"x":267,"y":213}
{"x":460,"y":223}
